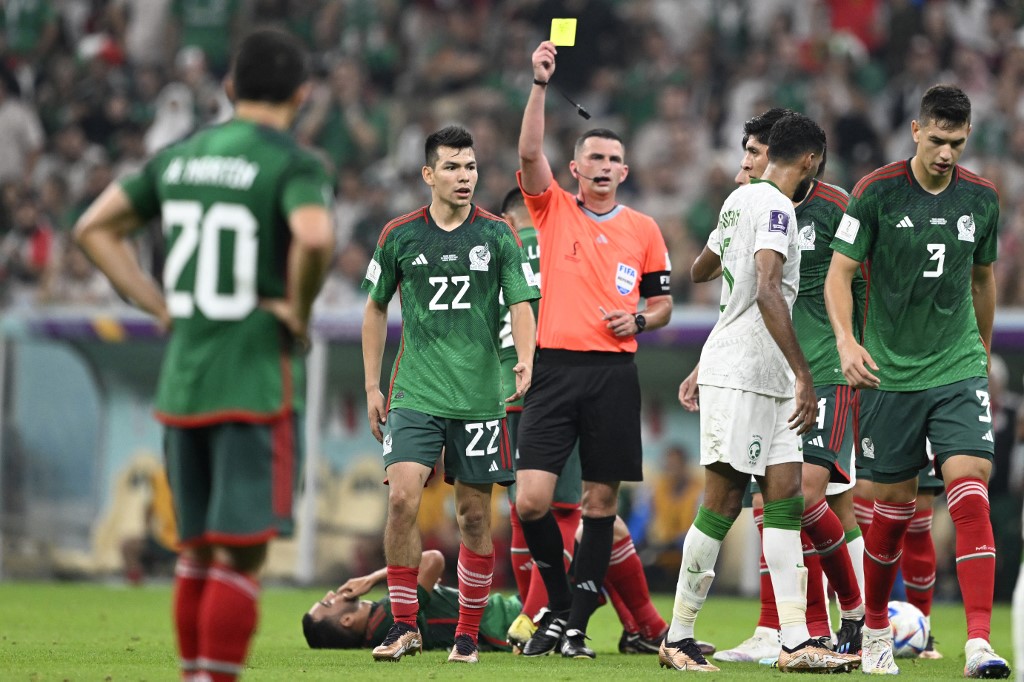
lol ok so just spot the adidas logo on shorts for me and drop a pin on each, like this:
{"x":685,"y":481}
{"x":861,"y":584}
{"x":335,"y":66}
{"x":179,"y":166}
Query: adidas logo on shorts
{"x":494,"y":467}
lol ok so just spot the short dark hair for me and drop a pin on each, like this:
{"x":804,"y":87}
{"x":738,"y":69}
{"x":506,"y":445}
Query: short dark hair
{"x":269,"y":67}
{"x":512,"y":200}
{"x":455,"y":137}
{"x":327,"y":633}
{"x":604,"y":133}
{"x":947,"y":105}
{"x":760,"y":126}
{"x":793,"y":136}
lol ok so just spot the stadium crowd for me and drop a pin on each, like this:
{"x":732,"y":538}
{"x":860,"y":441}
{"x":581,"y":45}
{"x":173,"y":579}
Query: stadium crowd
{"x":89,"y":88}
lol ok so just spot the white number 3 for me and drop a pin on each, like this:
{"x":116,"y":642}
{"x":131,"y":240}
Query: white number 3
{"x":938,"y":252}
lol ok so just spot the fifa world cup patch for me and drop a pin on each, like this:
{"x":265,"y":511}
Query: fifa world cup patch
{"x":848,"y":229}
{"x":778,"y":221}
{"x":373,"y":272}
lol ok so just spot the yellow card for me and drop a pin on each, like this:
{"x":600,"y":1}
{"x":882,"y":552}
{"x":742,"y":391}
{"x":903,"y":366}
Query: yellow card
{"x":563,"y":32}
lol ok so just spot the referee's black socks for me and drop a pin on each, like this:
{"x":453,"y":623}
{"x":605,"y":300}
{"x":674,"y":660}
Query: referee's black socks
{"x":592,"y":555}
{"x":544,"y":540}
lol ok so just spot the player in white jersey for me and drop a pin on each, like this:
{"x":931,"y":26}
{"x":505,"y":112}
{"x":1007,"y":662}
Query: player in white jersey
{"x":757,"y":397}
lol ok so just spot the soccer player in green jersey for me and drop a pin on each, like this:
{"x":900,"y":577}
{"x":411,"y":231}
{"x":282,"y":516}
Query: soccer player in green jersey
{"x":926,"y":227}
{"x":249,"y":239}
{"x":343,"y":621}
{"x":449,"y":260}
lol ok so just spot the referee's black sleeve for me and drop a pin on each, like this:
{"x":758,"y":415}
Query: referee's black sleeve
{"x":655,"y":284}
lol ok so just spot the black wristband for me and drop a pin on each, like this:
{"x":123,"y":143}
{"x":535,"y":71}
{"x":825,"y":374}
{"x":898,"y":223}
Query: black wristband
{"x":540,"y":83}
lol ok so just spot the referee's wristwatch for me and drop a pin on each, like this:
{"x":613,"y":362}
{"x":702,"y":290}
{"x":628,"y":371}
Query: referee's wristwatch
{"x":641,"y":322}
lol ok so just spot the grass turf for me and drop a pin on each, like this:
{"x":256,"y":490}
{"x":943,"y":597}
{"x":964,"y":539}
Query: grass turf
{"x":85,"y":631}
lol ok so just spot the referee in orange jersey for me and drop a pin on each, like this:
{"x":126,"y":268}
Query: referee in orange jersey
{"x":598,"y":259}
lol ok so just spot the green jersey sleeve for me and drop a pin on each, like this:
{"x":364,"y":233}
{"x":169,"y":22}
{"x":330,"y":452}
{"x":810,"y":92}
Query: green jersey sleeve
{"x":518,"y":280}
{"x":307,"y":185}
{"x":141,"y":189}
{"x":855,"y":234}
{"x":382,"y":274}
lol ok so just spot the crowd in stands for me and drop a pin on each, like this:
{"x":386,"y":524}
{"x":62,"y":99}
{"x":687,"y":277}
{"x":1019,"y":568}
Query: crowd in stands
{"x":90,"y":88}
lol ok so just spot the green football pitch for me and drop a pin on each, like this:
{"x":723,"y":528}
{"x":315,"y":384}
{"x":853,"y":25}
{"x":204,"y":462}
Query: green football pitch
{"x":72,"y":631}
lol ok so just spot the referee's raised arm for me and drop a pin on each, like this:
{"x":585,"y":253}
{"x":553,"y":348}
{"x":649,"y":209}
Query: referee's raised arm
{"x":536,"y":171}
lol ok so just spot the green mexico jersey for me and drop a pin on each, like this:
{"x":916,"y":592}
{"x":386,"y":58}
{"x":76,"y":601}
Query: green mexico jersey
{"x":224,"y":195}
{"x":818,"y":216}
{"x":920,"y":249}
{"x":439,"y":614}
{"x":509,"y":358}
{"x":449,"y":281}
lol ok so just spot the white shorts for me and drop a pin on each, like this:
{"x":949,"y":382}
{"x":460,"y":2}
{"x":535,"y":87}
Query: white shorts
{"x":748,"y":431}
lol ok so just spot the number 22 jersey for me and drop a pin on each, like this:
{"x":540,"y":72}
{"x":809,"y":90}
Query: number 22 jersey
{"x":448,"y":281}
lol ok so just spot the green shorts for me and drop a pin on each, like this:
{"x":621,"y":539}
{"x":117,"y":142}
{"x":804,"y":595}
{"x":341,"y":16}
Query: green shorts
{"x":234,"y":483}
{"x":474,"y":451}
{"x":895,"y":428}
{"x":927,"y":479}
{"x":568,"y":488}
{"x":830,"y":443}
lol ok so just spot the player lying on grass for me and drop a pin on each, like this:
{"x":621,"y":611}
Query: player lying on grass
{"x":341,"y":620}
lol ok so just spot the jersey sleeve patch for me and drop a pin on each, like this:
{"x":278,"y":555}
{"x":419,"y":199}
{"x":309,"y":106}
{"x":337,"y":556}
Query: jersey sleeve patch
{"x":373,"y":272}
{"x":778,"y":221}
{"x":531,"y":277}
{"x":848,"y":229}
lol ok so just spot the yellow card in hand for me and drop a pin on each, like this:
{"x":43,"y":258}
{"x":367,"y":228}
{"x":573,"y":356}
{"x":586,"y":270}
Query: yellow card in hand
{"x":563,"y":32}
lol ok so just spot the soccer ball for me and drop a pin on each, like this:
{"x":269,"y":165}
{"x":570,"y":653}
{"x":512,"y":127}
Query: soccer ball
{"x":909,"y":629}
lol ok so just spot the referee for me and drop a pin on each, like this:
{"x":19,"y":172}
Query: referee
{"x":598,"y":260}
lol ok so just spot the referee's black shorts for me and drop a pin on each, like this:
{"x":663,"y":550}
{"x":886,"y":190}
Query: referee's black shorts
{"x":592,"y":396}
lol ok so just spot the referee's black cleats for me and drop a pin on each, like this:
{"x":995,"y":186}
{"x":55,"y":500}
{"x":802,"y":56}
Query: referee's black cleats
{"x":549,"y":634}
{"x":574,"y":645}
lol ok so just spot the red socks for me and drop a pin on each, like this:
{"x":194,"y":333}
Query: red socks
{"x":975,"y":552}
{"x":883,"y":546}
{"x":227,"y":619}
{"x":189,"y":582}
{"x":626,"y":576}
{"x":817,"y":603}
{"x":918,"y":562}
{"x":402,"y":583}
{"x":769,"y":617}
{"x":476,"y":572}
{"x":826,"y":532}
{"x":522,"y":563}
{"x":863,"y":509}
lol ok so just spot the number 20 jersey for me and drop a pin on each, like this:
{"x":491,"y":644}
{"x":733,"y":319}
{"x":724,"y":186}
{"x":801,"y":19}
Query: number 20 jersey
{"x":224,"y":195}
{"x":448,"y":282}
{"x":920,"y":248}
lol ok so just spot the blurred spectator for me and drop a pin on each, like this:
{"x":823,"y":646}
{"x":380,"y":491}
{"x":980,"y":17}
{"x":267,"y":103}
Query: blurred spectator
{"x":71,"y":156}
{"x":71,"y":279}
{"x":664,"y":512}
{"x":345,"y":117}
{"x":210,"y":25}
{"x":209,"y":101}
{"x":341,"y":290}
{"x":21,"y":134}
{"x":25,"y":252}
{"x":29,"y":30}
{"x":173,"y":119}
{"x":141,"y":25}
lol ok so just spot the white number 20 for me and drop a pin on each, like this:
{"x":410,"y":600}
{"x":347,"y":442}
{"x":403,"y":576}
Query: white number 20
{"x":200,"y":236}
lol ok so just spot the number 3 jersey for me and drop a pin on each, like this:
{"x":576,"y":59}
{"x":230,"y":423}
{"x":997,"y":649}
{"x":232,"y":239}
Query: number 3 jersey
{"x":448,"y":283}
{"x":224,"y":195}
{"x":920,"y":249}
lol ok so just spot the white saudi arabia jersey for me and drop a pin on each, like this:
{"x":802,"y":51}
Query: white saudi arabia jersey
{"x":740,"y":353}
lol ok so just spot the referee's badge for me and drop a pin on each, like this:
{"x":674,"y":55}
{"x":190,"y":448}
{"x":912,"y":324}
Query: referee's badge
{"x":625,"y":279}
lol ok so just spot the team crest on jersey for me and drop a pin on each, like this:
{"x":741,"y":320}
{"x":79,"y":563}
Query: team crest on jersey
{"x":387,"y":444}
{"x":625,"y":279}
{"x":479,"y":257}
{"x":778,"y":221}
{"x":965,"y":228}
{"x":754,"y":450}
{"x":868,"y":446}
{"x":807,"y":237}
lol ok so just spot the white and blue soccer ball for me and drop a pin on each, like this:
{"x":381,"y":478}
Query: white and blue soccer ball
{"x":909,"y":629}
